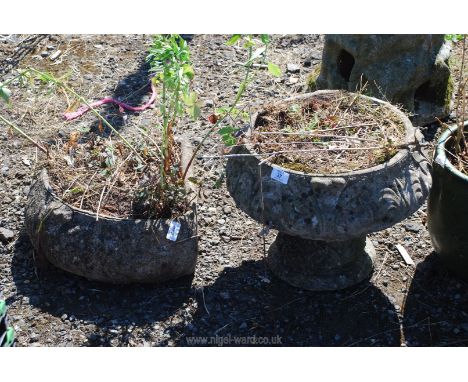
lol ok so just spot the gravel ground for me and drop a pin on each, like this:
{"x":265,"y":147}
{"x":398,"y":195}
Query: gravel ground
{"x":232,"y":295}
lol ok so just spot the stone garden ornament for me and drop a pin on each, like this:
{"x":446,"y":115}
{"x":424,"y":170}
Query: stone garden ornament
{"x":323,"y":219}
{"x":410,"y":70}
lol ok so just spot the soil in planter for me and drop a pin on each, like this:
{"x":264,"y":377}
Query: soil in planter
{"x":102,"y":175}
{"x":329,"y":134}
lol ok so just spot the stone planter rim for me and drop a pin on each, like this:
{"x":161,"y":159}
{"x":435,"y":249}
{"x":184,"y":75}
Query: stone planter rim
{"x":413,"y":137}
{"x":441,"y":157}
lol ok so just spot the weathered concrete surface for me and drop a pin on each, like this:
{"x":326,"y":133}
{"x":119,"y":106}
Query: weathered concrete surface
{"x":320,"y":265}
{"x":332,"y":207}
{"x":335,"y":211}
{"x":108,"y":250}
{"x":411,"y":70}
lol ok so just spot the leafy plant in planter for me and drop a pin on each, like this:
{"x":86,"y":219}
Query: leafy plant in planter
{"x":97,"y":229}
{"x":448,"y":200}
{"x":169,"y":58}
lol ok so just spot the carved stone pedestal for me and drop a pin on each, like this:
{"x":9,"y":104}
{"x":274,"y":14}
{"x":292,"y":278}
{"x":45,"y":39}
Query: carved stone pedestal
{"x":321,"y":265}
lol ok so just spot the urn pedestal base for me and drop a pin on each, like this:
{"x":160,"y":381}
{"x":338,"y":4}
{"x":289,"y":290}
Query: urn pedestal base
{"x":318,"y":265}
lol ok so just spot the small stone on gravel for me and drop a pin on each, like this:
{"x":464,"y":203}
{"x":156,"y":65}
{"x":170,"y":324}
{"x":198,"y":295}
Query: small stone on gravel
{"x":55,"y":55}
{"x":6,"y":235}
{"x":33,"y":337}
{"x":313,"y":57}
{"x":293,"y":68}
{"x":412,"y":227}
{"x":26,"y":161}
{"x":293,"y":80}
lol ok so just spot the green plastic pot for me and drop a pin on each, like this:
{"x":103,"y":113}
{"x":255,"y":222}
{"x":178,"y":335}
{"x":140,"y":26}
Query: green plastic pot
{"x":448,"y":209}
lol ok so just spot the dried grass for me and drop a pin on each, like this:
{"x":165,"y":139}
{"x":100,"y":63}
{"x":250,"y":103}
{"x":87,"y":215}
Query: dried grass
{"x":103,"y":176}
{"x":336,"y":122}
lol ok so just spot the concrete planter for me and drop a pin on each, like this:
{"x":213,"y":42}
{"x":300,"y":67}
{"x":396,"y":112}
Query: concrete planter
{"x":109,"y":249}
{"x":324,"y":219}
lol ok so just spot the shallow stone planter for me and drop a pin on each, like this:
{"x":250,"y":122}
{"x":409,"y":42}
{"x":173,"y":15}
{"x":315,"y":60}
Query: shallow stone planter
{"x":324,"y":219}
{"x":448,"y":209}
{"x":109,"y":249}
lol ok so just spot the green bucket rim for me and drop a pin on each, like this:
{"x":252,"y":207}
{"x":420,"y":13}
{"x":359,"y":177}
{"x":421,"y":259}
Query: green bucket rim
{"x":440,"y":156}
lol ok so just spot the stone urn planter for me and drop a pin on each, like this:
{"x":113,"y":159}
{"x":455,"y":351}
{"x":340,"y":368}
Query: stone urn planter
{"x":448,"y":209}
{"x":109,"y":249}
{"x":323,"y":219}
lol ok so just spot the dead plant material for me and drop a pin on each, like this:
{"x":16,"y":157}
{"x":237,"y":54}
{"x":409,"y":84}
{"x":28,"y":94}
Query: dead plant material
{"x":349,"y":121}
{"x":460,"y":161}
{"x":458,"y":146}
{"x":104,"y":177}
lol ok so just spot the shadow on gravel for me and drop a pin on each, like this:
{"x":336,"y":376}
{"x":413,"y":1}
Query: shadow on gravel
{"x":25,"y":47}
{"x":243,"y":304}
{"x":436,"y":309}
{"x":103,"y":305}
{"x":134,"y":90}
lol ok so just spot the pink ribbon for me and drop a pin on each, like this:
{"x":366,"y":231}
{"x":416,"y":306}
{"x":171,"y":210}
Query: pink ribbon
{"x":122,"y":106}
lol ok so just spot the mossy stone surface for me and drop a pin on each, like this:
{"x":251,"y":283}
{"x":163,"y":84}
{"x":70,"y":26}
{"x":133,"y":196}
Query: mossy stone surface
{"x":408,"y":70}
